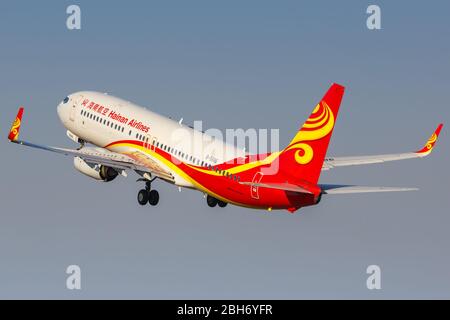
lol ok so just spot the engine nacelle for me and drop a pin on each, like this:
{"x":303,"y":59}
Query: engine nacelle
{"x":95,"y":171}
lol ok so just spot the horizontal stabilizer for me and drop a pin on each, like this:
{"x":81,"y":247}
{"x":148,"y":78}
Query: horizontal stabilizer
{"x":344,"y":189}
{"x":279,"y":186}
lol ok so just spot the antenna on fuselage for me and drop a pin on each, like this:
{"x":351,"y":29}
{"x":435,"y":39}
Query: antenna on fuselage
{"x":181,"y":120}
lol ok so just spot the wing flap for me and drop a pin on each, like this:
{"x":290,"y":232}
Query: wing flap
{"x":105,"y":157}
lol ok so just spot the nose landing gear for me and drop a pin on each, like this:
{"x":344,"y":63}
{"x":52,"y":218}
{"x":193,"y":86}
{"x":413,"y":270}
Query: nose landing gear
{"x":148,"y":195}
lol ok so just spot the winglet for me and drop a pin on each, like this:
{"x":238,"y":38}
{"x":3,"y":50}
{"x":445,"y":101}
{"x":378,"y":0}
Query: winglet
{"x":428,"y":147}
{"x":15,"y":128}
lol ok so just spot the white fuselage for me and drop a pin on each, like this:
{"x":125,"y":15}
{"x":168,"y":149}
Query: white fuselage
{"x":102,"y":119}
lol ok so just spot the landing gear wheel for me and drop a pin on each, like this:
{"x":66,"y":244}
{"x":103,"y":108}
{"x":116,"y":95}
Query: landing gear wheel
{"x":153,"y":197}
{"x":222,"y":204}
{"x":142,"y":197}
{"x":212,"y":202}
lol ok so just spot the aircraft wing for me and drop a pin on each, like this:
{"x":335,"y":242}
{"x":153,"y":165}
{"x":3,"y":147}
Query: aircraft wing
{"x":332,"y":162}
{"x":345,"y":189}
{"x":132,"y":161}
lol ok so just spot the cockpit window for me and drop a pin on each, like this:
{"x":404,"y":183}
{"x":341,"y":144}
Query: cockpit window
{"x":66,"y":99}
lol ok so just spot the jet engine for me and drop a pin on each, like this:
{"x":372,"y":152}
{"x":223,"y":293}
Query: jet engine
{"x":95,"y":171}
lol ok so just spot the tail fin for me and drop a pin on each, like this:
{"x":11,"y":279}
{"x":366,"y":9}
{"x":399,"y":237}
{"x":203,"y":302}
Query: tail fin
{"x":15,"y":127}
{"x":303,"y":157}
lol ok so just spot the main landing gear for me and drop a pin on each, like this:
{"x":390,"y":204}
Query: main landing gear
{"x":148,"y":195}
{"x":212,"y":202}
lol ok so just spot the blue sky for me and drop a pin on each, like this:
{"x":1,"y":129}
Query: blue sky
{"x":232,"y":64}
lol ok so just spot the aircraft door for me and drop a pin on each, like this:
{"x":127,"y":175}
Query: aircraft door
{"x":150,"y":142}
{"x":153,"y":145}
{"x":147,"y":141}
{"x":73,"y":109}
{"x":254,"y":190}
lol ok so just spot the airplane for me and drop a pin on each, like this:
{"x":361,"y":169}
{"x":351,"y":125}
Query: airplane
{"x":127,"y":137}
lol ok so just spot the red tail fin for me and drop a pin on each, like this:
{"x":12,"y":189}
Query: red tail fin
{"x":303,"y":157}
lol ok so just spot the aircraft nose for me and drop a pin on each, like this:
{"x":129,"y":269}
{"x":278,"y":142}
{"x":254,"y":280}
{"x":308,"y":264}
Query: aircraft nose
{"x":58,"y":109}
